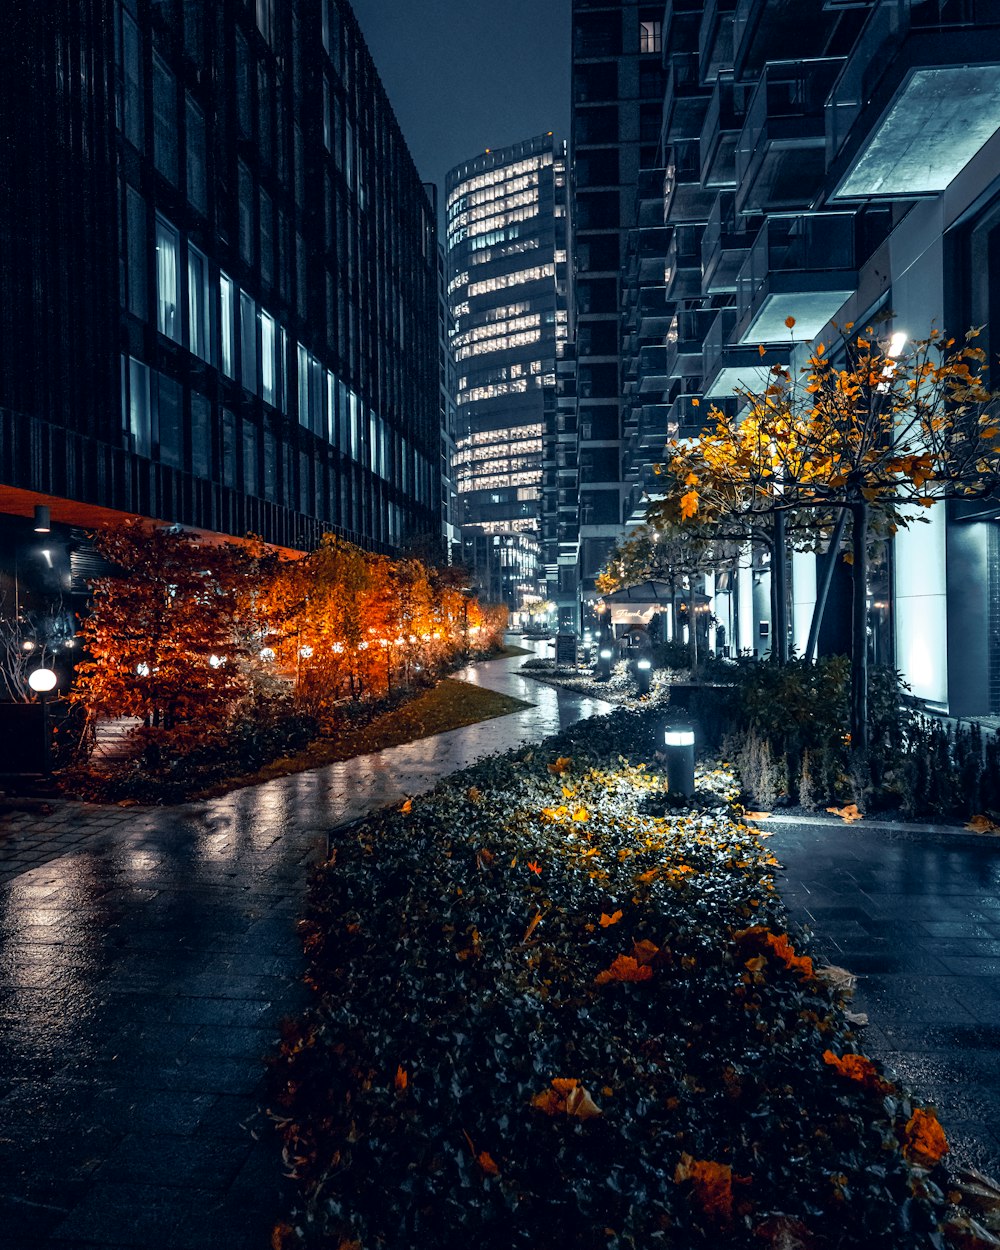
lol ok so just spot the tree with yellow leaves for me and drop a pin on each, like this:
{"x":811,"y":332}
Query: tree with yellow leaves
{"x":869,"y":428}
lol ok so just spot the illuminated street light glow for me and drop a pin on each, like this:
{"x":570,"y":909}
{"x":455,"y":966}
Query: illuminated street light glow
{"x":42,"y":680}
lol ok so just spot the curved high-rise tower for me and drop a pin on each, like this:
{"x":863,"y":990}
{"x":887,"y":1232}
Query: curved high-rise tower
{"x":507,"y":247}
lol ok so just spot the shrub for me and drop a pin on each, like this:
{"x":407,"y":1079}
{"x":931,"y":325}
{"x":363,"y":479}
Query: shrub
{"x":545,"y":1016}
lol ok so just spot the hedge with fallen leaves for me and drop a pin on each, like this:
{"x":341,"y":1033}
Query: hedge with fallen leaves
{"x":553,"y":1008}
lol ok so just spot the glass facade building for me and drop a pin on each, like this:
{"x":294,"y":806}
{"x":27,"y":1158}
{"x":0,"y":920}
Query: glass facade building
{"x":218,"y":274}
{"x":507,"y":277}
{"x":813,"y":161}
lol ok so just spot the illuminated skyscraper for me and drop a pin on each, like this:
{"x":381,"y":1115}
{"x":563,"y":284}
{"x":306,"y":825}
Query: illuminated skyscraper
{"x":506,"y":240}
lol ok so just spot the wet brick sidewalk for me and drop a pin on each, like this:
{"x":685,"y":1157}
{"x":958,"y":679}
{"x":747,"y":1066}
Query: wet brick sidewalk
{"x":917,"y":917}
{"x":147,"y":957}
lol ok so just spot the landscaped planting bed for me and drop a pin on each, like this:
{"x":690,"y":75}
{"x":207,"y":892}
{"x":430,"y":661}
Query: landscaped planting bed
{"x":552,"y":1008}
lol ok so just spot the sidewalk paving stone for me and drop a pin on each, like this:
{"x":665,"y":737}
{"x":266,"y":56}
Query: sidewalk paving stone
{"x":147,"y":957}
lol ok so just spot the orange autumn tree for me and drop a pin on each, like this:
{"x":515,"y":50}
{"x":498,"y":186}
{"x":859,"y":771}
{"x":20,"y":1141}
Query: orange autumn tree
{"x":161,"y":639}
{"x":865,"y":430}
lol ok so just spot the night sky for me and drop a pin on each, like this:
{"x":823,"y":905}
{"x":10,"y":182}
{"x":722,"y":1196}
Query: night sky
{"x":466,"y":75}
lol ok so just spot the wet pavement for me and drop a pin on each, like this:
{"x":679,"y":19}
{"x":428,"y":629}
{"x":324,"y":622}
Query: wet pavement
{"x":147,"y":957}
{"x":916,"y":916}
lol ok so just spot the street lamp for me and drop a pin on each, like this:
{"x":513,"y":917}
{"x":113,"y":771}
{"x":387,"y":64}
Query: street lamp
{"x":43,"y":681}
{"x":678,"y":747}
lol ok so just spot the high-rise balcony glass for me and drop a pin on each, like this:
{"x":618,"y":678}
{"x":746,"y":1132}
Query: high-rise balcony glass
{"x":724,"y":246}
{"x":721,"y":131}
{"x":780,"y":153}
{"x":684,"y":197}
{"x":715,"y":38}
{"x":730,"y":368}
{"x":684,"y":97}
{"x":763,"y":28}
{"x":802,"y":267}
{"x":918,"y":97}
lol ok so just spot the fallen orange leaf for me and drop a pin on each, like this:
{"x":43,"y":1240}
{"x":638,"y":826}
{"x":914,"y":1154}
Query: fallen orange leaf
{"x":561,"y":765}
{"x":607,"y":921}
{"x":407,"y":806}
{"x":849,"y":812}
{"x":533,"y":866}
{"x":485,"y":1161}
{"x":402,"y":1079}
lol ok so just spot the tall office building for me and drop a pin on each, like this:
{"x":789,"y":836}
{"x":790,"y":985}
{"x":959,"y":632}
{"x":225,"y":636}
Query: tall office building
{"x":218,"y":275}
{"x":507,"y":285}
{"x":617,"y":108}
{"x":827,"y":163}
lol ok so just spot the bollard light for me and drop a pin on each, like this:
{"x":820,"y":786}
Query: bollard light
{"x":643,"y":675}
{"x":678,"y":746}
{"x":42,"y":680}
{"x":604,"y":663}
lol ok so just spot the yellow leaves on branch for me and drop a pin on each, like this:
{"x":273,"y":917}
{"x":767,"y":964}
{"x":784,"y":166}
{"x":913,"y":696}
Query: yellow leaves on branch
{"x":689,"y":505}
{"x":567,"y":1097}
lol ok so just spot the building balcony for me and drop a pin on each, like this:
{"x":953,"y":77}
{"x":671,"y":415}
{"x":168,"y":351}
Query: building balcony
{"x":720,"y":134}
{"x":729,"y":368}
{"x":917,"y":99}
{"x":682,"y":264}
{"x":803,"y":267}
{"x":681,"y":20}
{"x":687,"y":415}
{"x":653,"y":426}
{"x":649,"y":197}
{"x":761,"y":28}
{"x":653,"y":312}
{"x":715,"y":38}
{"x":724,"y":246}
{"x":685,"y":340}
{"x":781,"y":151}
{"x":684,"y":197}
{"x":685,"y":98}
{"x":653,"y":375}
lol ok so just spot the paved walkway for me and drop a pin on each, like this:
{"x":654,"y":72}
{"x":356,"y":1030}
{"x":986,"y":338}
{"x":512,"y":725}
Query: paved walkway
{"x":146,"y":959}
{"x":916,"y":915}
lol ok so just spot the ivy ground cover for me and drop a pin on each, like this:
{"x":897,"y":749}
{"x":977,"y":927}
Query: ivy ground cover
{"x":552,"y":1007}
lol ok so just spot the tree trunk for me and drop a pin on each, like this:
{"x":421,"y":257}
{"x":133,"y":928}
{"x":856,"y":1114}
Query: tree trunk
{"x":692,"y":627}
{"x":859,"y":630}
{"x":779,"y":592}
{"x":823,"y":589}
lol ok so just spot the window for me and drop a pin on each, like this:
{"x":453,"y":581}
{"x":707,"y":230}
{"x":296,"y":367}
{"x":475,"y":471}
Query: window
{"x":140,"y":424}
{"x":268,"y":359}
{"x":303,"y":372}
{"x":132,"y":65}
{"x":266,"y":237}
{"x":197,"y":185}
{"x":248,"y":341}
{"x":227,"y":324}
{"x":201,"y":435}
{"x":199,"y":325}
{"x":170,"y":418}
{"x":649,"y":36}
{"x":251,"y":474}
{"x":244,"y":101}
{"x":164,"y":120}
{"x":265,"y":18}
{"x":168,"y":320}
{"x":246,"y":198}
{"x":135,"y":210}
{"x":228,"y":447}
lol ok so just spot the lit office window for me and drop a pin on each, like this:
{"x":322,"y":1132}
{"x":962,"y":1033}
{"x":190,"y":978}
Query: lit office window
{"x":649,"y":36}
{"x":164,"y":120}
{"x":248,"y":341}
{"x":268,"y":354}
{"x":139,"y":413}
{"x":227,"y":324}
{"x":199,"y":324}
{"x":168,"y":320}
